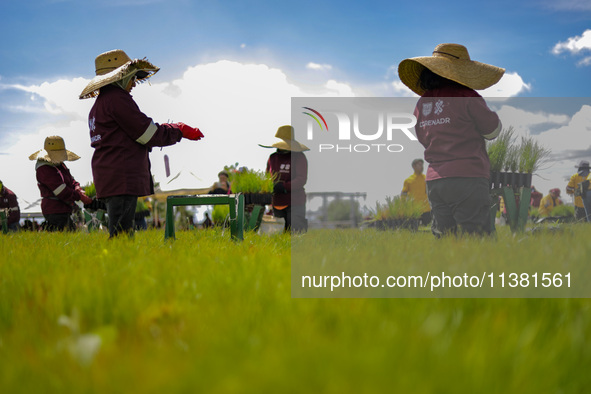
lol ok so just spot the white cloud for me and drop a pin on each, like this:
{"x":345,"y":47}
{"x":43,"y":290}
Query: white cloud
{"x":523,"y":121}
{"x":401,"y":90}
{"x":318,"y":67}
{"x":237,"y":106}
{"x":574,"y":44}
{"x":585,"y":61}
{"x":572,"y":135}
{"x":510,"y":85}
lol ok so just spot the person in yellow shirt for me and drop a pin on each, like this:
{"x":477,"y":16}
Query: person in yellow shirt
{"x":549,"y":202}
{"x":415,"y":186}
{"x":573,"y":188}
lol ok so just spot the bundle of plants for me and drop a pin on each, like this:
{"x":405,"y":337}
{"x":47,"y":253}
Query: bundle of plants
{"x":532,"y":156}
{"x":497,"y":151}
{"x":519,"y":162}
{"x":566,"y":211}
{"x":257,"y":186}
{"x":397,"y":212}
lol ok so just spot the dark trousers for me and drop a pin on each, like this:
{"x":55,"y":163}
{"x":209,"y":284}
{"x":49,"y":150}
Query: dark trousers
{"x":587,"y":204}
{"x":426,"y":218}
{"x":295,"y":218}
{"x":462,"y":203}
{"x":58,"y":222}
{"x":580,"y":214}
{"x":121,"y":211}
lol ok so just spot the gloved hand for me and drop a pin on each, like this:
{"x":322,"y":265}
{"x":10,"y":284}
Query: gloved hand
{"x":190,"y":133}
{"x":95,"y":205}
{"x":279,"y":188}
{"x":84,"y":198}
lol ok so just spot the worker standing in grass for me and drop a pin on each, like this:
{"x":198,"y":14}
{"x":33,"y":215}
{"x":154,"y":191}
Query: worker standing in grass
{"x":9,"y":202}
{"x":549,"y":202}
{"x":415,"y":187}
{"x":58,"y":187}
{"x":123,"y":136}
{"x":290,"y":166}
{"x":453,"y":123}
{"x":573,"y":188}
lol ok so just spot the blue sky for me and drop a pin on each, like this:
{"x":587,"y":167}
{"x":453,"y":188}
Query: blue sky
{"x":307,"y":47}
{"x":48,"y":39}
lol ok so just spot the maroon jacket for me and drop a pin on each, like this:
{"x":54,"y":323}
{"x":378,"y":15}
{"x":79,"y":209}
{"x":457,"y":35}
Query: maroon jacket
{"x":57,"y":186}
{"x":8,"y":201}
{"x":452,"y":123}
{"x":122,"y":137}
{"x":292,"y":170}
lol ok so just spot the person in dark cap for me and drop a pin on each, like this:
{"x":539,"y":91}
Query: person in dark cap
{"x":573,"y":188}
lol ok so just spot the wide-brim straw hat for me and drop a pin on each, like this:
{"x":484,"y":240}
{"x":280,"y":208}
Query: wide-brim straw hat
{"x":453,"y":62}
{"x":113,"y":66}
{"x":288,"y":141}
{"x":54,"y":151}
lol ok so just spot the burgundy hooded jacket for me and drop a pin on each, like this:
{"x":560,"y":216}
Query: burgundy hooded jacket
{"x":9,"y":201}
{"x":57,"y":187}
{"x":291,"y":169}
{"x":122,"y":137}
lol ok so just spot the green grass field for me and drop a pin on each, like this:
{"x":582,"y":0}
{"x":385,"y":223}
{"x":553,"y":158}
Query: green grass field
{"x":81,"y":314}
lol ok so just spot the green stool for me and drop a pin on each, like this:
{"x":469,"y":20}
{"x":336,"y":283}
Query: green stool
{"x":235,"y":202}
{"x":517,"y":214}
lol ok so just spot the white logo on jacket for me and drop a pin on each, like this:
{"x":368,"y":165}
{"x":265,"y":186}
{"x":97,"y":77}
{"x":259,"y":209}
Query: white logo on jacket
{"x":427,"y":107}
{"x":438,"y":107}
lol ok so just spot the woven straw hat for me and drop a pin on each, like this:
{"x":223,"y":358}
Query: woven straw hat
{"x":113,"y":66}
{"x":450,"y":61}
{"x":288,"y":142}
{"x":54,"y":151}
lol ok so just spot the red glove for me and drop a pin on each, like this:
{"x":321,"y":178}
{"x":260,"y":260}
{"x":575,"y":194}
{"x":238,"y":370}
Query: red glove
{"x":189,"y":132}
{"x":85,"y":199}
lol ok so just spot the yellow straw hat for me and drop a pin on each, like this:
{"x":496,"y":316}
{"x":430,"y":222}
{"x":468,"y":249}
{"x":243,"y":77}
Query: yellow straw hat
{"x":453,"y":62}
{"x":288,"y":142}
{"x":54,"y":151}
{"x":113,"y":66}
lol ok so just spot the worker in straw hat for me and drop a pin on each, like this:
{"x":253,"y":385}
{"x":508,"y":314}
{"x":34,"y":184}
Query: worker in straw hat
{"x":453,"y":123}
{"x":290,"y":166}
{"x":59,"y":190}
{"x":123,"y":136}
